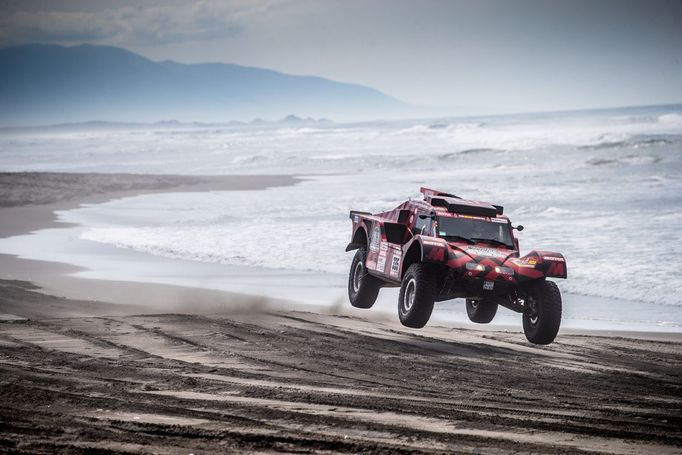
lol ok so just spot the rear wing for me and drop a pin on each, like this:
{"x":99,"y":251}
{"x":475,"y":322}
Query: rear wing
{"x":358,"y":213}
{"x":439,"y":198}
{"x":430,"y":192}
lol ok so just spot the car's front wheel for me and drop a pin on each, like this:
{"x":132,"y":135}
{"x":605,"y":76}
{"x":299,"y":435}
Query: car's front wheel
{"x":363,"y":288}
{"x":417,"y":296}
{"x":542,"y":316}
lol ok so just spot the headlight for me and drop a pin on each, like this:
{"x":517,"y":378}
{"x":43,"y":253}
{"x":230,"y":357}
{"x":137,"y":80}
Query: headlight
{"x":504,"y":270}
{"x":475,"y":266}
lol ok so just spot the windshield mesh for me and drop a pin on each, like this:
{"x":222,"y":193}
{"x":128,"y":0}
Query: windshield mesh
{"x":475,"y":230}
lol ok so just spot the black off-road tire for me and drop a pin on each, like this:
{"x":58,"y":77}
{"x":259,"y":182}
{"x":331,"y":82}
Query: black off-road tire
{"x":542,"y":319}
{"x":363,"y":288}
{"x":417,"y":295}
{"x":481,"y":311}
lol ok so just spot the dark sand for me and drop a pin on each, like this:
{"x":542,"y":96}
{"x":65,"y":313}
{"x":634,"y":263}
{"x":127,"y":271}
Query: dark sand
{"x":227,"y":373}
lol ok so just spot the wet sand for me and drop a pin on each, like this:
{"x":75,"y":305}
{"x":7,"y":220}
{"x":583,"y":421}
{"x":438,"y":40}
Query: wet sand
{"x":181,"y":370}
{"x":250,"y":379}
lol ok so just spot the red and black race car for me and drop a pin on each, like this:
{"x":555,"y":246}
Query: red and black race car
{"x":445,"y":247}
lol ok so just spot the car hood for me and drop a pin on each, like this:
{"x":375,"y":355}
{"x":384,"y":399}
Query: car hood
{"x":482,"y":251}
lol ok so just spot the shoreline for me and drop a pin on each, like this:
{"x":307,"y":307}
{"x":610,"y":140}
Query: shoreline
{"x":38,"y":212}
{"x":29,"y":200}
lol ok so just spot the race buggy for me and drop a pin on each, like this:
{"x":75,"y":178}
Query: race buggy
{"x":444,"y":247}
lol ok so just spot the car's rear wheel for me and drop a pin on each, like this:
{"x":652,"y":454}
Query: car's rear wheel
{"x":363,"y":288}
{"x":542,"y":317}
{"x":481,"y":311}
{"x":417,"y":296}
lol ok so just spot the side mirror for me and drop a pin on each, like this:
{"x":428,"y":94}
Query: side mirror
{"x":518,"y":228}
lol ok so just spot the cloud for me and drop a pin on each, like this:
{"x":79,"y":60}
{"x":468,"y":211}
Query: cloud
{"x":159,"y":23}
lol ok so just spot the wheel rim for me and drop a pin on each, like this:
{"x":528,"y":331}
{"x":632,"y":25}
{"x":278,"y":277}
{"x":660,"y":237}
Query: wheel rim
{"x":410,"y":291}
{"x":357,"y":276}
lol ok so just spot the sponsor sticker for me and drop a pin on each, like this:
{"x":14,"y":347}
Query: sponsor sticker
{"x":488,"y":285}
{"x":488,"y":252}
{"x":375,"y":239}
{"x":527,"y":262}
{"x":381,"y":264}
{"x":395,"y":265}
{"x":356,"y":219}
{"x":433,"y":243}
{"x":472,"y":217}
{"x":383,"y":246}
{"x":468,"y":217}
{"x":552,"y":258}
{"x":498,"y":220}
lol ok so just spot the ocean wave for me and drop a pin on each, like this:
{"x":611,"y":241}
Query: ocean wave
{"x":439,"y":128}
{"x":248,"y":159}
{"x":603,"y":145}
{"x":555,"y":211}
{"x":641,"y":159}
{"x":544,"y":211}
{"x":473,"y":151}
{"x":601,"y":161}
{"x":479,"y":150}
{"x":651,"y":294}
{"x":671,"y":119}
{"x":635,"y":141}
{"x":628,"y":160}
{"x":466,"y":126}
{"x":654,"y":141}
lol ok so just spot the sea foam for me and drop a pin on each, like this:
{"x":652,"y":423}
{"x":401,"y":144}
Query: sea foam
{"x":603,"y":188}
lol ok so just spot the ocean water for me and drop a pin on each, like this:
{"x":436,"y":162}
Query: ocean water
{"x":602,"y":187}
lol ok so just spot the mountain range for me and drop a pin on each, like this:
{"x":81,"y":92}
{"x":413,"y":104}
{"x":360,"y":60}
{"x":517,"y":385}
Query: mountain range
{"x":46,"y":84}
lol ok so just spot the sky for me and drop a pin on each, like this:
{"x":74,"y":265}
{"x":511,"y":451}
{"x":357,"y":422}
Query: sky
{"x":520,"y":55}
